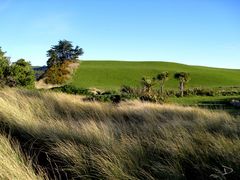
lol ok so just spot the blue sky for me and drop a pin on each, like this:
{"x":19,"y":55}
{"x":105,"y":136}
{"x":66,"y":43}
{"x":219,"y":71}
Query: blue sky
{"x":198,"y":32}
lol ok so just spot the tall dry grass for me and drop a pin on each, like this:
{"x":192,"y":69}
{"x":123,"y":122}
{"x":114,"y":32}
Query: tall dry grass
{"x":13,"y":164}
{"x":71,"y":139}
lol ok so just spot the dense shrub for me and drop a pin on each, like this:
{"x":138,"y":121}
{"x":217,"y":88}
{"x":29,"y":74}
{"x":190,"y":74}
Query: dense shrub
{"x":205,"y":92}
{"x":232,"y":92}
{"x":107,"y":96}
{"x":127,"y":93}
{"x":127,"y":89}
{"x":72,"y":90}
{"x":131,"y":93}
{"x":153,"y":97}
{"x":114,"y":98}
{"x":170,"y":93}
{"x":216,"y":92}
{"x":57,"y":74}
{"x":199,"y":92}
{"x":19,"y":73}
{"x":4,"y":67}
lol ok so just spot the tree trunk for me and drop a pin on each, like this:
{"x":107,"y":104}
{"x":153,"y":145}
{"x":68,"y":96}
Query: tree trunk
{"x":181,"y":88}
{"x":162,"y":88}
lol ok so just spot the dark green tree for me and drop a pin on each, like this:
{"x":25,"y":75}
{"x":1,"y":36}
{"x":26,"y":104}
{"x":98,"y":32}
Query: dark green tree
{"x":63,"y":51}
{"x":162,"y":78}
{"x":183,"y":78}
{"x":4,"y":66}
{"x":21,"y":74}
{"x":52,"y":60}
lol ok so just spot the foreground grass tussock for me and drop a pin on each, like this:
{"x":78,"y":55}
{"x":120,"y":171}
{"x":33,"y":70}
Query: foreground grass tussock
{"x":70,"y":138}
{"x":14,"y":164}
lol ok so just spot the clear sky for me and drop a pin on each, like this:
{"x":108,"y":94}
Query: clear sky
{"x":199,"y":32}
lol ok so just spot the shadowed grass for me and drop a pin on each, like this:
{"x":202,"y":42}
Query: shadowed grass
{"x":70,"y":138}
{"x":13,"y":164}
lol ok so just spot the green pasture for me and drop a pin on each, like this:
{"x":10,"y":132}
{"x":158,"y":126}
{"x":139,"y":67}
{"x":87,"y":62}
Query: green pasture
{"x":114,"y":74}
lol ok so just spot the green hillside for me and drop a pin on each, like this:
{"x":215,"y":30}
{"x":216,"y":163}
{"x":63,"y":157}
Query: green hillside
{"x":113,"y":74}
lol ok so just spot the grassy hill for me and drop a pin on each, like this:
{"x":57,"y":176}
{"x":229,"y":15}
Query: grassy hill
{"x":113,"y":74}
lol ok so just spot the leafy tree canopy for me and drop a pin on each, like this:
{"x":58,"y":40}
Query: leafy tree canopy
{"x":4,"y":64}
{"x":162,"y":78}
{"x":182,"y":76}
{"x":63,"y":51}
{"x":148,"y":83}
{"x":21,"y":73}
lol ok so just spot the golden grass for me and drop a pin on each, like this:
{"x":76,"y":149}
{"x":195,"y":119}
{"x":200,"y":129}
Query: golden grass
{"x":13,"y":164}
{"x":132,"y":140}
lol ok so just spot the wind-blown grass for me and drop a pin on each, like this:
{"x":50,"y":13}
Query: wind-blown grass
{"x":70,"y":138}
{"x":13,"y":164}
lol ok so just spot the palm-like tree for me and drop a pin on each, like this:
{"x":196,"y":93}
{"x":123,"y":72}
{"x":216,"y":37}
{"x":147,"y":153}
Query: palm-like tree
{"x":148,"y":83}
{"x":183,"y":78}
{"x":162,"y":78}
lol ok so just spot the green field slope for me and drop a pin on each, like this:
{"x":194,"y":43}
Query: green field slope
{"x":113,"y":74}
